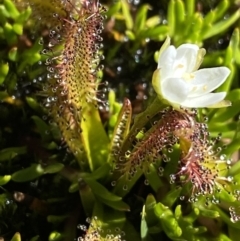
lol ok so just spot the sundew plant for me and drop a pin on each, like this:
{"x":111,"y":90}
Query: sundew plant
{"x":119,"y":120}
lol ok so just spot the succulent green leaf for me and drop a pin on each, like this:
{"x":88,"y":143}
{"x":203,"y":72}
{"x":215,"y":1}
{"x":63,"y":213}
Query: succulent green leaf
{"x":124,"y":186}
{"x":179,"y":13}
{"x":153,"y":178}
{"x":152,"y":22}
{"x":11,"y":8}
{"x":221,"y":9}
{"x":171,"y":196}
{"x":168,"y":221}
{"x":13,"y":54}
{"x":4,"y":179}
{"x":18,"y":28}
{"x":55,"y":236}
{"x":53,"y":168}
{"x":101,"y":191}
{"x":92,"y":132}
{"x":144,"y":226}
{"x":32,"y":102}
{"x":127,"y":15}
{"x":43,"y":128}
{"x":171,"y":17}
{"x":150,"y":216}
{"x":11,"y":36}
{"x":56,"y":218}
{"x":35,"y":238}
{"x":28,"y":174}
{"x":190,"y":7}
{"x":141,"y":17}
{"x":116,"y":205}
{"x":113,"y":9}
{"x":4,"y":68}
{"x":9,"y":153}
{"x":222,"y":25}
{"x":16,"y":237}
{"x":206,"y":212}
{"x":87,"y":198}
{"x":159,"y":32}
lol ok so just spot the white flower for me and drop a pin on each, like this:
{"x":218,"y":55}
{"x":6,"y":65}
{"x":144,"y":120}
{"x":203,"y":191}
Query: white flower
{"x":178,"y":81}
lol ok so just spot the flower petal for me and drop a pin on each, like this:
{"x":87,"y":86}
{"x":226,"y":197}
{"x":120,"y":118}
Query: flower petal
{"x":204,"y":100}
{"x":207,"y":80}
{"x":175,"y":90}
{"x":166,"y":60}
{"x":187,"y":56}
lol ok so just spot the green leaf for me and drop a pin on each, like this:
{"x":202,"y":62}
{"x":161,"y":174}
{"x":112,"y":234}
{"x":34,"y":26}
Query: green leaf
{"x":16,"y":237}
{"x":4,"y":179}
{"x":43,"y":128}
{"x":153,"y":178}
{"x":152,"y":22}
{"x":18,"y":28}
{"x":141,"y":17}
{"x":206,"y":212}
{"x":127,"y":15}
{"x":100,"y":190}
{"x":101,"y":172}
{"x":9,"y":153}
{"x":35,"y":238}
{"x":11,"y":37}
{"x":233,"y":146}
{"x":221,"y":9}
{"x":56,"y":218}
{"x":172,"y":196}
{"x":150,"y":204}
{"x":12,"y":10}
{"x":13,"y":54}
{"x":55,"y":236}
{"x":4,"y":68}
{"x":154,"y":33}
{"x":228,"y":113}
{"x":74,"y":187}
{"x":113,"y":9}
{"x":124,"y":186}
{"x":235,"y":45}
{"x":235,"y":169}
{"x":222,"y":25}
{"x":53,"y":168}
{"x":144,"y":226}
{"x":171,"y":17}
{"x":94,"y":138}
{"x":168,"y":221}
{"x":34,"y":104}
{"x":116,"y":205}
{"x":190,"y":7}
{"x":28,"y":174}
{"x":179,"y":13}
{"x":87,"y":198}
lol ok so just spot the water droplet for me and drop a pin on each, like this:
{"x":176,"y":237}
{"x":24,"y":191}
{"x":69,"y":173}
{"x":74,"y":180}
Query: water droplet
{"x":146,"y":182}
{"x":125,"y":187}
{"x":182,"y":198}
{"x":113,"y":183}
{"x":229,"y":178}
{"x":41,"y":42}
